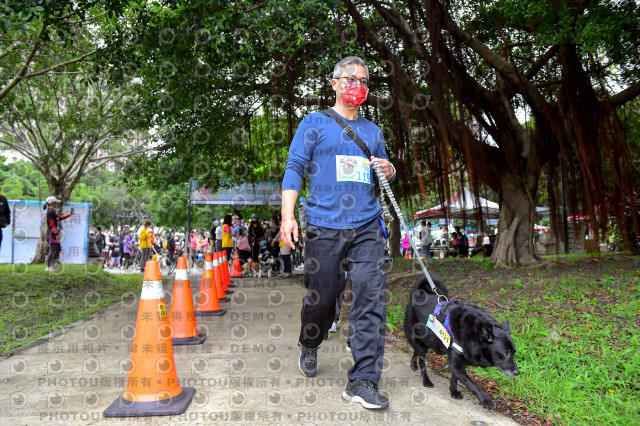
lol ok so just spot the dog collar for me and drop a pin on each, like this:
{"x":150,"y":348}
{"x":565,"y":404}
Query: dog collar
{"x":442,"y":312}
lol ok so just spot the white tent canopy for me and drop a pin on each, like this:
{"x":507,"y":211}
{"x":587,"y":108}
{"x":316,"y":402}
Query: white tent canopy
{"x":461,"y":205}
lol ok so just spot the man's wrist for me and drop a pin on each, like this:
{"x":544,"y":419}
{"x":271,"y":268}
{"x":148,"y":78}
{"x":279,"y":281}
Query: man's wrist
{"x":394,"y":171}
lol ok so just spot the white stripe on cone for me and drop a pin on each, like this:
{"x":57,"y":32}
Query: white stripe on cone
{"x":208,"y":265}
{"x":181,"y":275}
{"x":152,"y":290}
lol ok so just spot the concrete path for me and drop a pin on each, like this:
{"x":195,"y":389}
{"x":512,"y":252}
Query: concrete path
{"x":245,"y":373}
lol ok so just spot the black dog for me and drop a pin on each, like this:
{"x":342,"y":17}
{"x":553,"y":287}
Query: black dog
{"x":477,"y":339}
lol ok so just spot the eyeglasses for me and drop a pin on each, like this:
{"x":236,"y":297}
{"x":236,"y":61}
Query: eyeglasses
{"x":352,"y":80}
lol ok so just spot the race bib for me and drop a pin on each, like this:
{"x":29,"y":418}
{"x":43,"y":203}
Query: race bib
{"x":439,"y":330}
{"x":352,"y":169}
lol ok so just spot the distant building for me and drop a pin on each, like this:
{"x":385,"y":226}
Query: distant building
{"x":12,"y":156}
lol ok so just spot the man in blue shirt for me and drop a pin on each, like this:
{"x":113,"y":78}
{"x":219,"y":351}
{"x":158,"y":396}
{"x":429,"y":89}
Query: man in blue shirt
{"x":343,"y":232}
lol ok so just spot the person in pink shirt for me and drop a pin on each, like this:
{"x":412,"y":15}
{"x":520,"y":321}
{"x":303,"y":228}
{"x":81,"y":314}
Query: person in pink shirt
{"x":193,"y":244}
{"x":405,"y":245}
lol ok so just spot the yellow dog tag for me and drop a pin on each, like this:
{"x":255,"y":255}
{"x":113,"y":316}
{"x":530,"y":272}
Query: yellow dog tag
{"x":442,"y":333}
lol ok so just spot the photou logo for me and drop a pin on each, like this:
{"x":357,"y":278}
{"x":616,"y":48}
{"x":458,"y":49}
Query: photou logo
{"x":199,"y":365}
{"x":90,"y":399}
{"x":275,"y":398}
{"x":18,"y":366}
{"x":237,"y":398}
{"x":275,"y":298}
{"x":275,"y":331}
{"x":239,"y":332}
{"x":237,"y":365}
{"x":275,"y":365}
{"x":310,"y":397}
{"x":92,"y":332}
{"x":55,"y":400}
{"x":418,"y":397}
{"x":18,"y":400}
{"x":55,"y":366}
{"x":90,"y":366}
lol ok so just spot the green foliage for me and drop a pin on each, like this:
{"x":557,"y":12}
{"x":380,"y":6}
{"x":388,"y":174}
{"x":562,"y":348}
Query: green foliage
{"x":395,"y":316}
{"x":232,"y":128}
{"x":21,"y":181}
{"x":38,"y":37}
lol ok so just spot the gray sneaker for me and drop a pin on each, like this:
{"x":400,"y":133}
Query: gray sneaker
{"x":309,"y":361}
{"x":366,"y":393}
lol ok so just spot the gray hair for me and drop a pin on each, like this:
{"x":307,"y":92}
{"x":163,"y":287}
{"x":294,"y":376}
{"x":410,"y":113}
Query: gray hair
{"x":340,"y":66}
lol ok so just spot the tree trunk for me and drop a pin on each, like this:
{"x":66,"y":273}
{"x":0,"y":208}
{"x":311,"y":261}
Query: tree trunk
{"x":394,"y":236}
{"x":514,"y":242}
{"x":42,"y":249}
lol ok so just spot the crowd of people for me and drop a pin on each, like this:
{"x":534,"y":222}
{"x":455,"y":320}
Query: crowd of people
{"x":119,"y":249}
{"x":454,"y":244}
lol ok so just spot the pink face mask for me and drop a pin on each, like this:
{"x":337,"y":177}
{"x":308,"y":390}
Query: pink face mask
{"x":354,"y":94}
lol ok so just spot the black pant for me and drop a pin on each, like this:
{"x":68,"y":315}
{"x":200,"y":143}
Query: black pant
{"x":275,"y":253}
{"x":286,"y":260}
{"x":54,"y":254}
{"x":146,"y":255}
{"x":359,"y":252}
{"x":228,"y":250}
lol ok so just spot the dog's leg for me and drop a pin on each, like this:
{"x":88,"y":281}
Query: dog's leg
{"x":453,"y":387}
{"x":460,"y":373}
{"x":422,"y":362}
{"x":414,"y":362}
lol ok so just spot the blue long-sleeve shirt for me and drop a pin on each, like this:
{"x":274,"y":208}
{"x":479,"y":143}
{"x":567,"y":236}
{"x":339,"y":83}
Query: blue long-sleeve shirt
{"x":341,"y":180}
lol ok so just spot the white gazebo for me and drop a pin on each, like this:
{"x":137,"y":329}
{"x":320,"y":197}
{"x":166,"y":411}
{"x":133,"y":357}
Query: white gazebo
{"x":461,"y":205}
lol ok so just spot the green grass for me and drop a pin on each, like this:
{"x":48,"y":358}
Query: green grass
{"x":34,"y":303}
{"x":592,"y":374}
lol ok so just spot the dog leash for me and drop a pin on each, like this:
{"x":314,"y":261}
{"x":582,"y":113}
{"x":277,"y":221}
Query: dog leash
{"x":385,"y":188}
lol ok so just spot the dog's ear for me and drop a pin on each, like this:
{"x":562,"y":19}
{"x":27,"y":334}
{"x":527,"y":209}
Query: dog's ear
{"x":506,"y":326}
{"x":486,"y":332}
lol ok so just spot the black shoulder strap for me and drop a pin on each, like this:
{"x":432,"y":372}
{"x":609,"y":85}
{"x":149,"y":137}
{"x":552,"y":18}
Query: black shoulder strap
{"x":348,"y":130}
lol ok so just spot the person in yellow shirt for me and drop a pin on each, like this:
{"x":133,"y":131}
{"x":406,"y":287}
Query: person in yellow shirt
{"x":145,"y":244}
{"x":227,"y":235}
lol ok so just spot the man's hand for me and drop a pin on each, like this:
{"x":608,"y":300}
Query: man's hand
{"x":287,"y":227}
{"x":72,"y":211}
{"x":386,"y":166}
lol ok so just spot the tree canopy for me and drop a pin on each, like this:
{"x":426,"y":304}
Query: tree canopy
{"x":513,"y":96}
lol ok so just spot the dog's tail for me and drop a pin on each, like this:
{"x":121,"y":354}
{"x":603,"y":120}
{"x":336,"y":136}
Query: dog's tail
{"x":423,"y":284}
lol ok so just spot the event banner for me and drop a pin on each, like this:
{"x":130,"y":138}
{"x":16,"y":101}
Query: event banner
{"x":246,"y":194}
{"x":20,"y":238}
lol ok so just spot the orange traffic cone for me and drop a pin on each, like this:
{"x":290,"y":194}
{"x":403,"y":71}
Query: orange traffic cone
{"x":406,"y":255}
{"x":152,"y":386}
{"x":226,"y":279}
{"x":236,"y":271}
{"x":219,"y":277}
{"x":226,"y":263}
{"x":208,"y":303}
{"x":182,"y":316}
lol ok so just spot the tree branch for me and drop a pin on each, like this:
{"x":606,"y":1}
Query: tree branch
{"x":60,"y":65}
{"x":626,"y":95}
{"x":260,"y":5}
{"x":542,"y":61}
{"x":494,"y":60}
{"x":25,"y":67}
{"x":20,"y":148}
{"x":14,"y":46}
